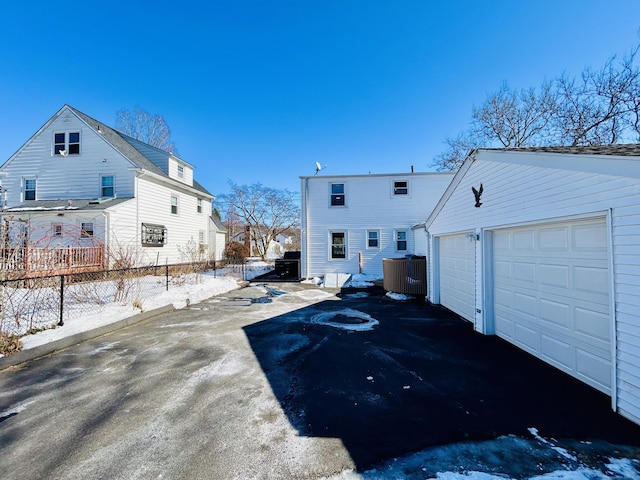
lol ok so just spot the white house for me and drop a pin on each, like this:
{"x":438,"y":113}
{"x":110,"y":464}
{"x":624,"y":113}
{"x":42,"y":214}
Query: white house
{"x":541,"y":246}
{"x":78,"y":183}
{"x":217,"y":238}
{"x":351,"y":222}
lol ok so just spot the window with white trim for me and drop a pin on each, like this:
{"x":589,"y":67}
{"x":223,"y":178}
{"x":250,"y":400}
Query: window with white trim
{"x":401,"y":240}
{"x":66,"y":143}
{"x":338,"y":245}
{"x":86,"y":230}
{"x":199,"y":205}
{"x":174,"y":205}
{"x":56,"y":229}
{"x":201,"y":237}
{"x":153,"y":235}
{"x":373,"y":239}
{"x":400,"y":187}
{"x":107,"y":186}
{"x":29,"y":189}
{"x":180,"y":171}
{"x":337,"y":195}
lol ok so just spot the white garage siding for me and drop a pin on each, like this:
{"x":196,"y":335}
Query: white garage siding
{"x":456,"y":264}
{"x":532,"y":188}
{"x":551,"y":296}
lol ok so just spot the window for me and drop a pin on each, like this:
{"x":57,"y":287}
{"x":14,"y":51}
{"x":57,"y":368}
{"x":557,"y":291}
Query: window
{"x":86,"y":230}
{"x":153,"y":235}
{"x":338,"y":245}
{"x":401,"y":240}
{"x":201,"y":237}
{"x":56,"y":229}
{"x":199,"y":205}
{"x":373,"y":240}
{"x":337,"y":194}
{"x":107,"y":186}
{"x":401,"y":187}
{"x":180,"y":171}
{"x":174,"y":205}
{"x":66,"y":143}
{"x":29,"y":189}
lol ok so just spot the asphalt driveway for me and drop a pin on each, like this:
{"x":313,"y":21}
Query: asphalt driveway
{"x":294,"y":381}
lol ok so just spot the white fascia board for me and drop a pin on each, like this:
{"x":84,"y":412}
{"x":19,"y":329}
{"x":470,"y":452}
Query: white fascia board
{"x":174,"y":183}
{"x":617,"y":165}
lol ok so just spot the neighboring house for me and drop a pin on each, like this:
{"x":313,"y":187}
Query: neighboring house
{"x":351,"y":222}
{"x":548,"y":258}
{"x":78,"y":184}
{"x":217,"y":238}
{"x":246,"y":235}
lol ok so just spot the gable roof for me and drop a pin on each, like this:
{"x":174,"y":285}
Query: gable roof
{"x":621,"y":159}
{"x":125,"y":144}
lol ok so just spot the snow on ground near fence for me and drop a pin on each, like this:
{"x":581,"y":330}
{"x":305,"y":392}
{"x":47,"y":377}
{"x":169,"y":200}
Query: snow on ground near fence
{"x":210,"y":284}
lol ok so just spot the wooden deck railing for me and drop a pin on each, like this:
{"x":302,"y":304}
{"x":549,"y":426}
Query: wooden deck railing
{"x":32,"y":261}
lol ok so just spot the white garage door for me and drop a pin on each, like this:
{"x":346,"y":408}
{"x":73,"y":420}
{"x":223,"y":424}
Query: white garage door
{"x":551,"y":296}
{"x":457,"y":274}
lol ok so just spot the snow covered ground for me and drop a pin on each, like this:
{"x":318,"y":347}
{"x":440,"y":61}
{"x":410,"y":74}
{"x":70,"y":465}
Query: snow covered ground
{"x":210,"y":284}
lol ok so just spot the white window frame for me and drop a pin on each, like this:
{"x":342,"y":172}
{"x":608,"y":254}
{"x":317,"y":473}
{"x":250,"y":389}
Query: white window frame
{"x":400,"y":190}
{"x":377,"y":239}
{"x":397,"y":240}
{"x":175,"y":205}
{"x":334,"y":196}
{"x":66,"y":143}
{"x":199,"y":205}
{"x":34,"y":189}
{"x":180,"y":171}
{"x":201,"y":239}
{"x":113,"y":186}
{"x":87,"y":230}
{"x":56,"y":229}
{"x":332,"y":244}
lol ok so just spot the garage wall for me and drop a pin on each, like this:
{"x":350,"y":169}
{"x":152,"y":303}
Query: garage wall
{"x":521,"y":188}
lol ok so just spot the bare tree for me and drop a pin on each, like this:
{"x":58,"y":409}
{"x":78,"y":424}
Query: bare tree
{"x":600,"y":107}
{"x":266,"y":211}
{"x":147,"y":128}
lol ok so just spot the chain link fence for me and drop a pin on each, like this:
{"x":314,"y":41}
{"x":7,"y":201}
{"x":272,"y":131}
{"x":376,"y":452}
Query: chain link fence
{"x":28,"y":305}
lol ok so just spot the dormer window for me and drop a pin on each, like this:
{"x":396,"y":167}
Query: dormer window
{"x":66,"y":143}
{"x":180,"y":171}
{"x":107,"y":186}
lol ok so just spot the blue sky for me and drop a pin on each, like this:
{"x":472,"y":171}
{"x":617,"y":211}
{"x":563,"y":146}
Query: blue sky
{"x":258,"y":91}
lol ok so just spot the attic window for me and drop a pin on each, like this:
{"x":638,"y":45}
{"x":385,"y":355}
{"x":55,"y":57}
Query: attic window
{"x":400,"y":187}
{"x":66,"y":143}
{"x":180,"y":171}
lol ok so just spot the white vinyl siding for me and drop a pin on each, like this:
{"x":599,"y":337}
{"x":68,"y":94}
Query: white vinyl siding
{"x":532,"y":188}
{"x":369,"y":207}
{"x":66,"y":177}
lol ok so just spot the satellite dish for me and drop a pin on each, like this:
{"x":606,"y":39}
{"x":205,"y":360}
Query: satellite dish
{"x":319,"y":167}
{"x":63,"y":153}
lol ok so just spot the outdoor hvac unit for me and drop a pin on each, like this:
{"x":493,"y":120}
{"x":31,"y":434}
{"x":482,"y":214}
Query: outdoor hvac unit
{"x":406,"y":275}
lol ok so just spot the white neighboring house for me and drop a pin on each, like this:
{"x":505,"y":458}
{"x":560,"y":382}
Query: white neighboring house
{"x":77,"y":183}
{"x":217,"y":238}
{"x":548,"y":258}
{"x":351,"y":222}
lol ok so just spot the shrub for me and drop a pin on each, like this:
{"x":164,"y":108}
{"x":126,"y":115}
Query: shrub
{"x":236,"y":251}
{"x":9,"y":344}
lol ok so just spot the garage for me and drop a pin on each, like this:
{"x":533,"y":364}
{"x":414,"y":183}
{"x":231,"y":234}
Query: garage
{"x":551,"y":295}
{"x":457,"y":273}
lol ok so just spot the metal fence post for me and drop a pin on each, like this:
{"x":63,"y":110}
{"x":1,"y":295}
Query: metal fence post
{"x":61,"y":321}
{"x":166,"y":275}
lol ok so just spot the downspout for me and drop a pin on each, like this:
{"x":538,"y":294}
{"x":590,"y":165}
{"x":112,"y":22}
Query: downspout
{"x":305,"y":225}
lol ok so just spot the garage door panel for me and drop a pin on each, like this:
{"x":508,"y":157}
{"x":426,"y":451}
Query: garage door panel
{"x":551,"y":295}
{"x":457,"y":274}
{"x":557,"y":351}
